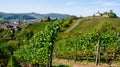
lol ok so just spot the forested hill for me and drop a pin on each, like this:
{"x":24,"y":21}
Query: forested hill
{"x":30,"y":16}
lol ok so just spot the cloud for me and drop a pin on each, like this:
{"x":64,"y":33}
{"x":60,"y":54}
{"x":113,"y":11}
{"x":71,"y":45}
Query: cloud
{"x":111,"y":4}
{"x":71,"y":3}
{"x":106,"y":3}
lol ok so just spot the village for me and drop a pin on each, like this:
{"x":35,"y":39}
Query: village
{"x":15,"y":24}
{"x":12,"y":25}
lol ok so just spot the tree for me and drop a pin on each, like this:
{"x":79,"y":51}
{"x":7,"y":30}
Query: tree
{"x":111,"y":11}
{"x":74,"y":17}
{"x":48,"y":19}
{"x":112,"y":15}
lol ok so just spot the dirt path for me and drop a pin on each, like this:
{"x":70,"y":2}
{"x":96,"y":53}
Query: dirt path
{"x":81,"y":64}
{"x":75,"y":23}
{"x":73,"y":64}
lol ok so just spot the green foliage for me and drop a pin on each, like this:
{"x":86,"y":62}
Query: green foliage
{"x":109,"y":44}
{"x":74,"y":17}
{"x":11,"y":40}
{"x":85,"y":44}
{"x":112,"y":15}
{"x":3,"y":40}
{"x":66,"y":23}
{"x":24,"y":34}
{"x":82,"y":40}
{"x":4,"y":53}
{"x":80,"y":45}
{"x":48,"y":19}
{"x":3,"y":20}
{"x":17,"y":16}
{"x":11,"y":46}
{"x":13,"y":62}
{"x":37,"y":50}
{"x":90,"y":25}
{"x":30,"y":16}
{"x":36,"y":27}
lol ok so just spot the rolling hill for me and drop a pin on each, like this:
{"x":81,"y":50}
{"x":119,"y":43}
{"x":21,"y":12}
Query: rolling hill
{"x":90,"y":25}
{"x":78,"y":26}
{"x":30,"y":16}
{"x":12,"y":16}
{"x":87,"y":25}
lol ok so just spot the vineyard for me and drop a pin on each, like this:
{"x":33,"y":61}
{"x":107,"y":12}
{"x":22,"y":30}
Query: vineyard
{"x":39,"y":50}
{"x":91,"y":46}
{"x":100,"y":46}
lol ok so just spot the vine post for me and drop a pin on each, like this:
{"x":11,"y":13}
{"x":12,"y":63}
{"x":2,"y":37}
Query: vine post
{"x":98,"y":52}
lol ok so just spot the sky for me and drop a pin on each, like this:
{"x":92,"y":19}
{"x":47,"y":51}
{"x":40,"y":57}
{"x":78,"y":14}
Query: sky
{"x":72,"y":7}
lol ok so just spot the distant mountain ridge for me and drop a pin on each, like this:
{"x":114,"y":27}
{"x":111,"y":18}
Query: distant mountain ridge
{"x":31,"y":16}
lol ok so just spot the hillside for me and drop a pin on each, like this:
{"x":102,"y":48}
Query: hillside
{"x":65,"y":43}
{"x":74,"y":42}
{"x":90,"y":25}
{"x":13,"y":16}
{"x":36,"y":27}
{"x":30,"y":16}
{"x":86,"y":25}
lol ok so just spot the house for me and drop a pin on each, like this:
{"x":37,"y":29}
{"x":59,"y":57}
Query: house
{"x":105,"y":15}
{"x":98,"y":13}
{"x":10,"y":25}
{"x":3,"y":26}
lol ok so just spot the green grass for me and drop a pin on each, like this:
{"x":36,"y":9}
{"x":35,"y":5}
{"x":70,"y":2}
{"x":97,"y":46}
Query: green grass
{"x":90,"y":25}
{"x":37,"y":27}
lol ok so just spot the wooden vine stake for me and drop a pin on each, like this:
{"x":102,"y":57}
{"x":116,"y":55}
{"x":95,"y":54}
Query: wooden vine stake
{"x":98,"y":53}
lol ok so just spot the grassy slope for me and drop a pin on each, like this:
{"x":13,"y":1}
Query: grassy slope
{"x":89,"y":25}
{"x":37,"y":27}
{"x":85,"y":25}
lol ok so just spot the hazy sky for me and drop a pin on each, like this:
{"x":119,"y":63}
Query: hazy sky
{"x":72,"y":7}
